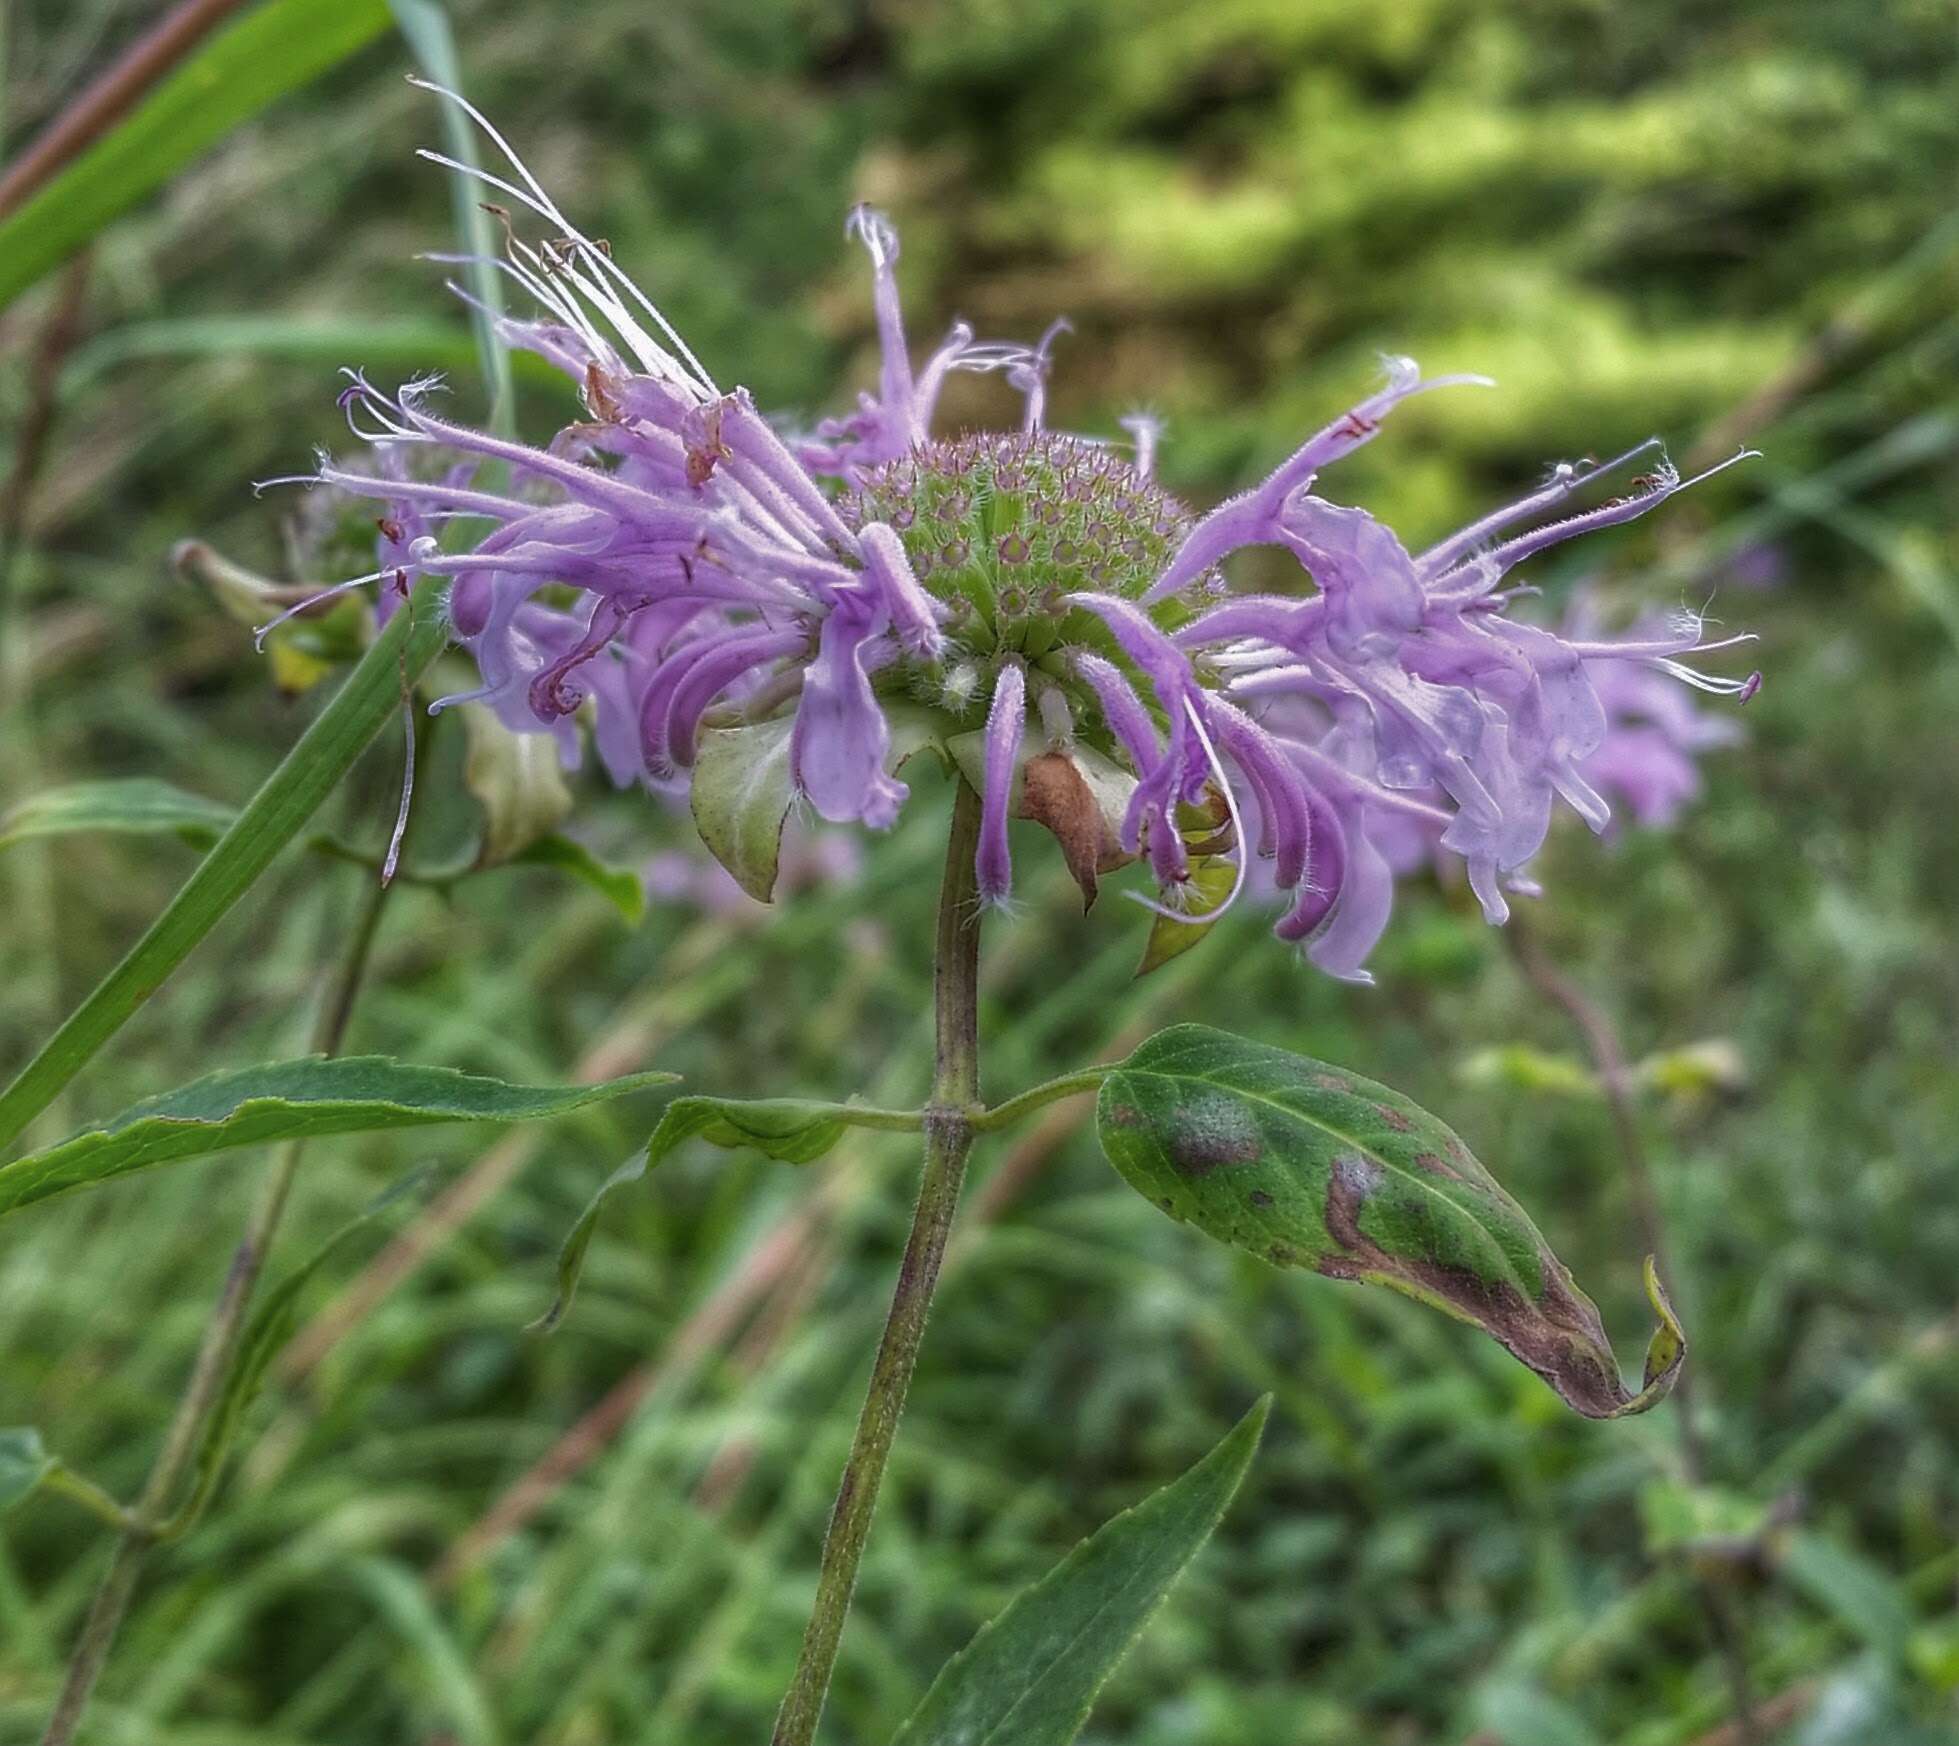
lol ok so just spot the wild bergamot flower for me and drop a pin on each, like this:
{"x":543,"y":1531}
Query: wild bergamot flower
{"x":673,"y":562}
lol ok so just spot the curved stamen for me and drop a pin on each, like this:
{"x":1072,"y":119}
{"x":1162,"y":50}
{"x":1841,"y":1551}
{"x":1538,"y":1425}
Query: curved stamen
{"x":1237,"y":834}
{"x":261,"y":632}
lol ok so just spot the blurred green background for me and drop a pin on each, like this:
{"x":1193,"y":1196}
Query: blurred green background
{"x":1695,"y":220}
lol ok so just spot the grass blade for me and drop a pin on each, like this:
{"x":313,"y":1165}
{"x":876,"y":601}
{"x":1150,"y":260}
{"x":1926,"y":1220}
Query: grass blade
{"x":425,"y":25}
{"x":273,"y":49}
{"x":1031,"y":1675}
{"x":368,"y":701}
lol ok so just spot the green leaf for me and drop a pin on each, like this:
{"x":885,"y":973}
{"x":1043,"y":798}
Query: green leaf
{"x":273,"y":49}
{"x":620,"y":886}
{"x":371,"y":697}
{"x":288,"y":1100}
{"x":24,"y":1463}
{"x":742,"y":791}
{"x":794,"y":1130}
{"x":1031,"y":1675}
{"x":265,"y":1336}
{"x":1864,"y":1599}
{"x":1307,"y":1165}
{"x":1519,"y":1714}
{"x":136,"y":806}
{"x":1211,"y":880}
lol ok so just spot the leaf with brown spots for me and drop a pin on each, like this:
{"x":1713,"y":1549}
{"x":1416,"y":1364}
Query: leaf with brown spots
{"x":1306,"y":1165}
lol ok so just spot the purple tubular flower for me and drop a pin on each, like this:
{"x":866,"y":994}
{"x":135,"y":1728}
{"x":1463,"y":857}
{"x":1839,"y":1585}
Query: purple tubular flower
{"x":1388,"y":709}
{"x":895,"y":392}
{"x":1253,"y":518}
{"x":1005,"y":722}
{"x":838,"y":745}
{"x":914,"y":613}
{"x":889,"y":424}
{"x":1285,"y":808}
{"x":1161,"y":785}
{"x":1128,"y":720}
{"x":724,"y":662}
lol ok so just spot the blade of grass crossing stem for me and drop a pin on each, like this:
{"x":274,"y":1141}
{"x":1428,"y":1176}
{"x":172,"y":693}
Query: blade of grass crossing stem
{"x":369,"y":700}
{"x":425,"y":25}
{"x":272,"y":50}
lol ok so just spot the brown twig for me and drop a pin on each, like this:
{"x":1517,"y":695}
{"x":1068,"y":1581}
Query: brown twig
{"x":110,"y":96}
{"x":57,"y":340}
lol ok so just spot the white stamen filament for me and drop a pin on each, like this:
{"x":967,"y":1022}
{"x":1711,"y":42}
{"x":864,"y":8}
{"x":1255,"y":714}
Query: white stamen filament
{"x":546,"y":207}
{"x":393,"y":856}
{"x":1237,"y":834}
{"x":261,"y":632}
{"x":1720,"y":687}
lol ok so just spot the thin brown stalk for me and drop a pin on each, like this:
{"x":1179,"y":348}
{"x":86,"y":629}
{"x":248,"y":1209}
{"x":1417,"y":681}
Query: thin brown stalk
{"x":1602,"y":1043}
{"x":111,"y":96}
{"x":215,"y":1352}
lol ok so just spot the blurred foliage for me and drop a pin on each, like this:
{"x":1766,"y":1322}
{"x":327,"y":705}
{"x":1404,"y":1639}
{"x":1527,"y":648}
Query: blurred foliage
{"x":1638,"y":218}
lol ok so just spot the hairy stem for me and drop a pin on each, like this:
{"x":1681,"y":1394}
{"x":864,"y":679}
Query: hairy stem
{"x":948,"y":1140}
{"x":145,"y":1524}
{"x":1609,"y":1062}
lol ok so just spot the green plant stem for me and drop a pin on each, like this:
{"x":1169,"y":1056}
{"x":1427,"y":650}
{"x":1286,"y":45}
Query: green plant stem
{"x":1004,"y":1115}
{"x":84,"y":1491}
{"x":949,"y":1130}
{"x":370,"y":698}
{"x":148,"y":1523}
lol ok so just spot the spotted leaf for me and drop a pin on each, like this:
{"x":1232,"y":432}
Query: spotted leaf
{"x":1307,"y":1165}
